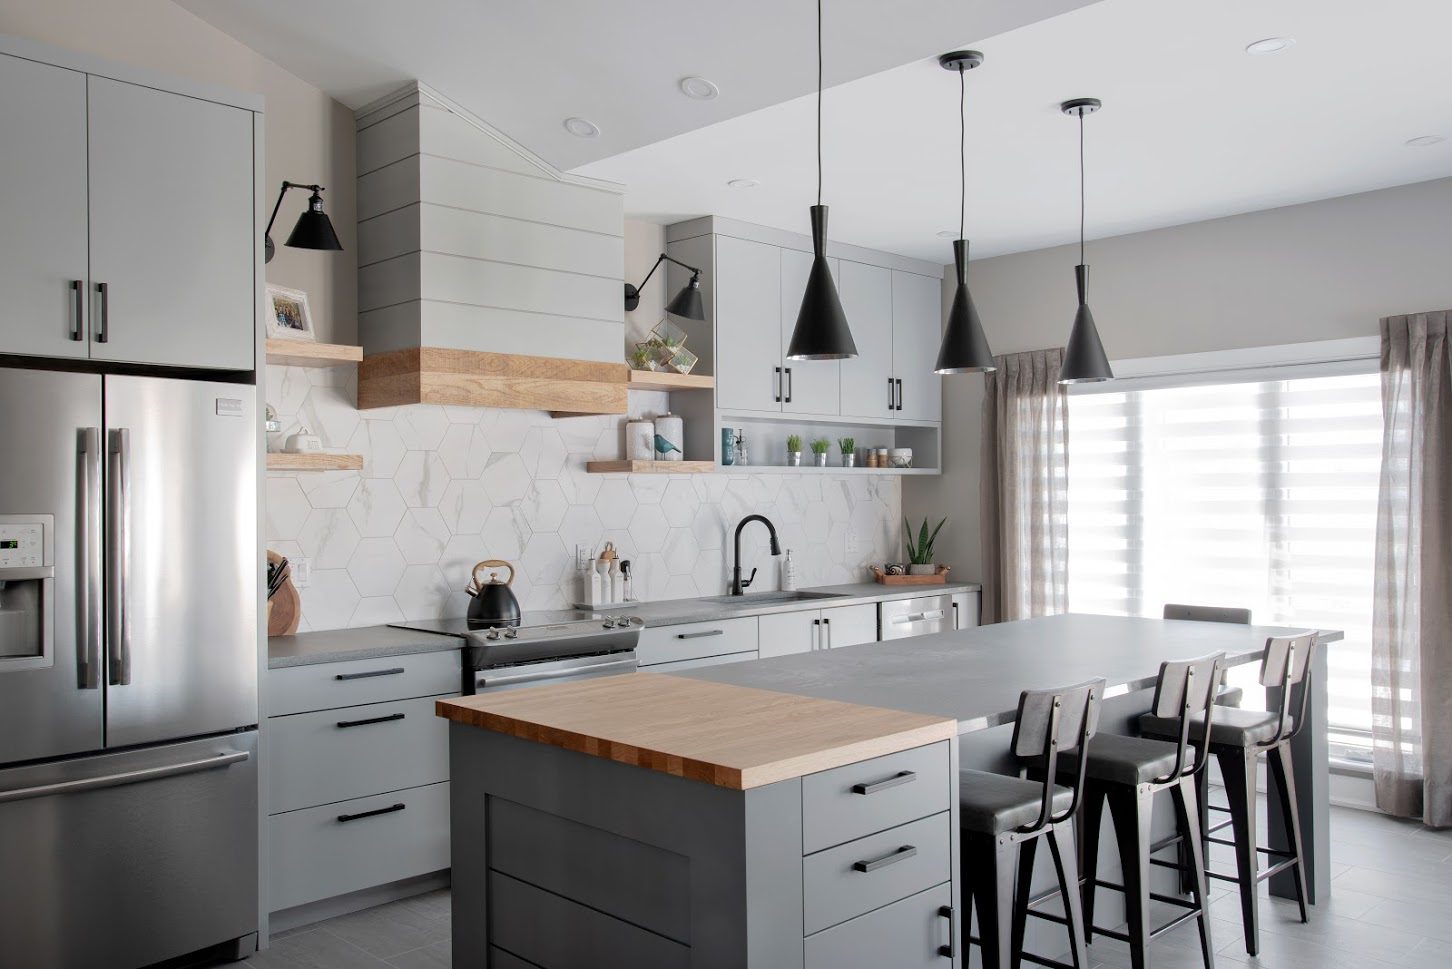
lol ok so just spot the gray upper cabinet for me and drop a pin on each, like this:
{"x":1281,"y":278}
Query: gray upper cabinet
{"x":42,"y":209}
{"x":867,"y":387}
{"x":171,"y":229}
{"x":916,"y":333}
{"x":810,"y":386}
{"x":748,"y":322}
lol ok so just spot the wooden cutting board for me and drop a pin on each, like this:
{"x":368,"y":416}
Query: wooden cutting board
{"x":284,"y":609}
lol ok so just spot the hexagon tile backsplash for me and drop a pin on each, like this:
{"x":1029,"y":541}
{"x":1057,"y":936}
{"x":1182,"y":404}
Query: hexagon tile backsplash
{"x":445,"y":487}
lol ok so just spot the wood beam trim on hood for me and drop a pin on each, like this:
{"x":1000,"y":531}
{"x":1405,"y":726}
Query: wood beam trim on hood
{"x":471,"y":378}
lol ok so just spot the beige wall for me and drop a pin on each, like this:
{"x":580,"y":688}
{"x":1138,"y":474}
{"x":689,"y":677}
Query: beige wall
{"x":309,"y":136}
{"x":1320,"y":271}
{"x":644,"y":242}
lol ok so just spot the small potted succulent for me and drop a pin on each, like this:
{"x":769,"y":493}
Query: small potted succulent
{"x":848,"y":447}
{"x":819,"y":449}
{"x":920,"y":556}
{"x":794,"y":450}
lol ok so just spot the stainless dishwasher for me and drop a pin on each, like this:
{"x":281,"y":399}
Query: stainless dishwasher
{"x":921,"y":616}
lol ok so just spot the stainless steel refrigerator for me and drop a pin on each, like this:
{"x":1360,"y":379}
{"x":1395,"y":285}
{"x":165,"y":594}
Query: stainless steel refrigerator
{"x":128,"y":668}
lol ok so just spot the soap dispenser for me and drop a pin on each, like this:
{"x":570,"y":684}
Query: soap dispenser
{"x":788,"y":573}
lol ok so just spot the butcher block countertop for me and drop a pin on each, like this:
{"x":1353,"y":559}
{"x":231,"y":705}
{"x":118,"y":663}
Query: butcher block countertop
{"x":731,"y":736}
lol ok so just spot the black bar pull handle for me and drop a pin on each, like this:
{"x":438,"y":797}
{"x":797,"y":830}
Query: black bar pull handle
{"x":345,"y":818}
{"x":363,"y":723}
{"x":394,"y":671}
{"x":701,"y":634}
{"x":103,"y":332}
{"x":899,"y":393}
{"x":896,"y":780}
{"x":778,"y":381}
{"x":788,"y":385}
{"x":891,"y":858}
{"x":947,"y":912}
{"x":78,"y":286}
{"x":891,"y":395}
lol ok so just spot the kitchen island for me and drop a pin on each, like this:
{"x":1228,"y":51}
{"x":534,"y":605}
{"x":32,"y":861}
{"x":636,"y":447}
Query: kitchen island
{"x":718,"y":817}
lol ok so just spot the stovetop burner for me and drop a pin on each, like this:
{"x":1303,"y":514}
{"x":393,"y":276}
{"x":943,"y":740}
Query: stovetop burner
{"x":541,"y":636}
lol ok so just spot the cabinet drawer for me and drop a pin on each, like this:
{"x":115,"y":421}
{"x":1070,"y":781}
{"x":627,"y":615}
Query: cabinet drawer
{"x":695,"y":640}
{"x":548,"y":930}
{"x":693,"y":664}
{"x":326,"y":851}
{"x":334,"y":755}
{"x":903,"y":935}
{"x":848,"y":880}
{"x":844,"y":803}
{"x":325,"y":686}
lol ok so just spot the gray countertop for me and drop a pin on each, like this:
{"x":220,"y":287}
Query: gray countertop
{"x":975,"y":675}
{"x":371,"y":642}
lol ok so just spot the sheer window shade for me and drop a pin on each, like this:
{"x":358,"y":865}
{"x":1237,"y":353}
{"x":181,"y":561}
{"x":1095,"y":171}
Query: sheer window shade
{"x":1254,"y":493}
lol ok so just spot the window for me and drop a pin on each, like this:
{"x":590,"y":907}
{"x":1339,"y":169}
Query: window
{"x":1253,"y":494}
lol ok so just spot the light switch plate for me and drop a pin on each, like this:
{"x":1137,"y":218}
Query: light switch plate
{"x":302,"y":572}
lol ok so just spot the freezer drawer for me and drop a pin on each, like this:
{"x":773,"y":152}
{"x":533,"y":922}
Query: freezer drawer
{"x":920,"y":616}
{"x":129,"y":858}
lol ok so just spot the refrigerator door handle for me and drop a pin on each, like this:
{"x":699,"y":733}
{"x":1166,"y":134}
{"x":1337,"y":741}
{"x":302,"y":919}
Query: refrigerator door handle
{"x":118,"y":558}
{"x":88,"y":555}
{"x":124,"y":777}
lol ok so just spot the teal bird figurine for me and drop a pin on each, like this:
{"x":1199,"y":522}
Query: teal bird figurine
{"x":662,"y":446}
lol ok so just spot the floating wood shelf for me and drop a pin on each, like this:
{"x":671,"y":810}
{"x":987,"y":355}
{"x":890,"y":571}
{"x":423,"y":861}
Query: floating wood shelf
{"x":277,"y":461}
{"x":656,"y":380}
{"x":650,"y":467}
{"x":299,"y":353}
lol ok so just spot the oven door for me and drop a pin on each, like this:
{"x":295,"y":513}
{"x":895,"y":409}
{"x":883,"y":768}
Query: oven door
{"x":553,"y":671}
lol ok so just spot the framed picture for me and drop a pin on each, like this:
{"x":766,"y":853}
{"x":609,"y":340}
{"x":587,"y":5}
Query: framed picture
{"x":288,"y":317}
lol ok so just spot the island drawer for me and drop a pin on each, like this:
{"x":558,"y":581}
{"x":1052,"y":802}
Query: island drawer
{"x":345,"y":847}
{"x":556,"y":933}
{"x":333,"y":755}
{"x":325,"y":686}
{"x":846,"y":881}
{"x":904,"y":935}
{"x":848,"y":802}
{"x":695,"y":640}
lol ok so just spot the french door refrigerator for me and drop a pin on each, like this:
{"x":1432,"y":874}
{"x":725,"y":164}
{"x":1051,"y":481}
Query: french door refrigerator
{"x":128,"y":668}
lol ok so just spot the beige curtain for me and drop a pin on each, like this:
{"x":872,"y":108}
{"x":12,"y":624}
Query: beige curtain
{"x":1412,"y":626}
{"x":1024,"y":493}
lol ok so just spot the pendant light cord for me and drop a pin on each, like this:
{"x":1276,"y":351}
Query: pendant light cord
{"x":819,"y":102}
{"x":1081,"y":186}
{"x":962,"y":152}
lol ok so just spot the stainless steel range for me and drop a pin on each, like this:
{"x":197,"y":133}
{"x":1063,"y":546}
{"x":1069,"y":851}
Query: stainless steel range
{"x":552,"y":649}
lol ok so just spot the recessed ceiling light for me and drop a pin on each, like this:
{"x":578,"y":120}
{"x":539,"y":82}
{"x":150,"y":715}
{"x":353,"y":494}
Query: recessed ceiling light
{"x":581,"y":128}
{"x":699,"y":88}
{"x":1425,"y":141}
{"x":1270,"y":45}
{"x":743,"y":183}
{"x":947,"y":233}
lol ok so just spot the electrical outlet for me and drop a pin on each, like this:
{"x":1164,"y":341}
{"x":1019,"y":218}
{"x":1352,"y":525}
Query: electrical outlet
{"x":582,"y":558}
{"x":302,"y":572}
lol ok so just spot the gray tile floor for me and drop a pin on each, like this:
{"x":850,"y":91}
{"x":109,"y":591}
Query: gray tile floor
{"x":1391,"y":908}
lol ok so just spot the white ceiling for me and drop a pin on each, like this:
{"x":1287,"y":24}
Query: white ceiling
{"x":526,"y":66}
{"x":1192,"y":128}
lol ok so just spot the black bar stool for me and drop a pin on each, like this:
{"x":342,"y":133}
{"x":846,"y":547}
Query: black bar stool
{"x":1002,"y":819}
{"x":1125,"y":773}
{"x":1237,"y":739}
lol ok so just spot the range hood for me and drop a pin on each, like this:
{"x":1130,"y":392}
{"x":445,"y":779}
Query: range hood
{"x":486,"y":277}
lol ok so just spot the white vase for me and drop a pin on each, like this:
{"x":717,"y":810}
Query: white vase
{"x":640,"y":441}
{"x":672,"y":429}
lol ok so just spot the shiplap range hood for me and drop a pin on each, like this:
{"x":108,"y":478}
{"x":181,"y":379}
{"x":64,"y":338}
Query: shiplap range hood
{"x":486,"y":277}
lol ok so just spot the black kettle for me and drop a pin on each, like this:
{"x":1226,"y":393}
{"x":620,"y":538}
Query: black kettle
{"x":492,"y":604}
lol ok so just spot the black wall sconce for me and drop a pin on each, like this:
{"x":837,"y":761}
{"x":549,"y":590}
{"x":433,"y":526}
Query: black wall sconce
{"x":313,"y":229}
{"x":686,"y":303}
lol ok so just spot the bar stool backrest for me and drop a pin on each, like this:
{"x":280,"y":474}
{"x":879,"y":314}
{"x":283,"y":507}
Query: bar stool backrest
{"x":1185,"y":691}
{"x":1174,"y":610}
{"x":1051,"y":722}
{"x":1287,"y":667}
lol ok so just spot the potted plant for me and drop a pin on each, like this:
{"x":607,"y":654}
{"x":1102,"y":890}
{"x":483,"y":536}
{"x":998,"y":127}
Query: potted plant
{"x":848,"y":447}
{"x":920,"y":556}
{"x":794,"y":450}
{"x":819,"y":448}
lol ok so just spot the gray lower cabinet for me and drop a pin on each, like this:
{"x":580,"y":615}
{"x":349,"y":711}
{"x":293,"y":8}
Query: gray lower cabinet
{"x":966,"y":609}
{"x":697,"y":641}
{"x":357,"y":775}
{"x":914,"y":933}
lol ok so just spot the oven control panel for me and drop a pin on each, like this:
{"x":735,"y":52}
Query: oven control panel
{"x":22,"y":544}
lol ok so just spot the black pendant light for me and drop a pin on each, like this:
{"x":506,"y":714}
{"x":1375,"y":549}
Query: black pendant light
{"x":965,"y":347}
{"x":821,"y":332}
{"x":314,"y":230}
{"x":1084,"y":359}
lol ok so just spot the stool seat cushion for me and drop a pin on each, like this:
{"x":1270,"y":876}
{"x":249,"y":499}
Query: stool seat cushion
{"x":1114,"y":759}
{"x":1230,"y":696}
{"x":995,"y":803}
{"x":1230,"y":727}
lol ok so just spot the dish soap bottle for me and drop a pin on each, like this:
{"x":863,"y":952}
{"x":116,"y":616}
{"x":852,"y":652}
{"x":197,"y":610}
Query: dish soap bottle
{"x":788,"y":573}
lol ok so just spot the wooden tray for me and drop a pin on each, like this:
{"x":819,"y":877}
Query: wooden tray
{"x":937,"y":578}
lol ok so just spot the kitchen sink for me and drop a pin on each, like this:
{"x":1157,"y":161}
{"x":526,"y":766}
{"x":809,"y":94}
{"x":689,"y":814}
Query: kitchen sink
{"x":772,"y":598}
